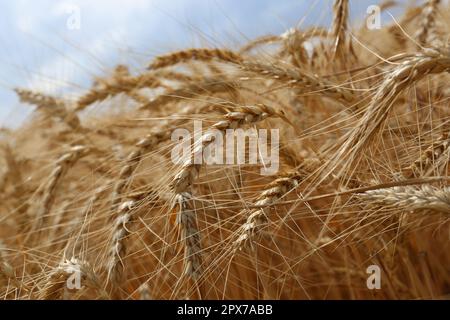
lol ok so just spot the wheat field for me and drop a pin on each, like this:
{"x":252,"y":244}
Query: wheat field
{"x":87,"y":183}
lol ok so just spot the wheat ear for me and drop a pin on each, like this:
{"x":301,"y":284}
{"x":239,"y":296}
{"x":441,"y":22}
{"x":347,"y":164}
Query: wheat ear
{"x":426,"y":34}
{"x":123,"y":218}
{"x":244,"y":115}
{"x":190,"y":236}
{"x":6,"y":270}
{"x":267,"y":39}
{"x":118,"y":84}
{"x":339,"y":26}
{"x":207,"y":86}
{"x":144,"y":292}
{"x":257,"y":218}
{"x":57,"y":287}
{"x":132,"y":161}
{"x":14,"y":175}
{"x":88,"y":206}
{"x":372,"y":122}
{"x":118,"y":249}
{"x":200,"y":54}
{"x":387,"y":4}
{"x":50,"y":106}
{"x":293,"y":44}
{"x":62,"y":165}
{"x":184,"y":179}
{"x":436,"y":153}
{"x":300,"y":79}
{"x":412,"y":198}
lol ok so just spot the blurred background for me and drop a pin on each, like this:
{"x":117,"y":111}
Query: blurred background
{"x":58,"y":47}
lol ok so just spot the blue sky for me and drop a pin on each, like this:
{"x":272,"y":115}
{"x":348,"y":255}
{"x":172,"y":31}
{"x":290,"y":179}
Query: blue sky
{"x":39,"y":51}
